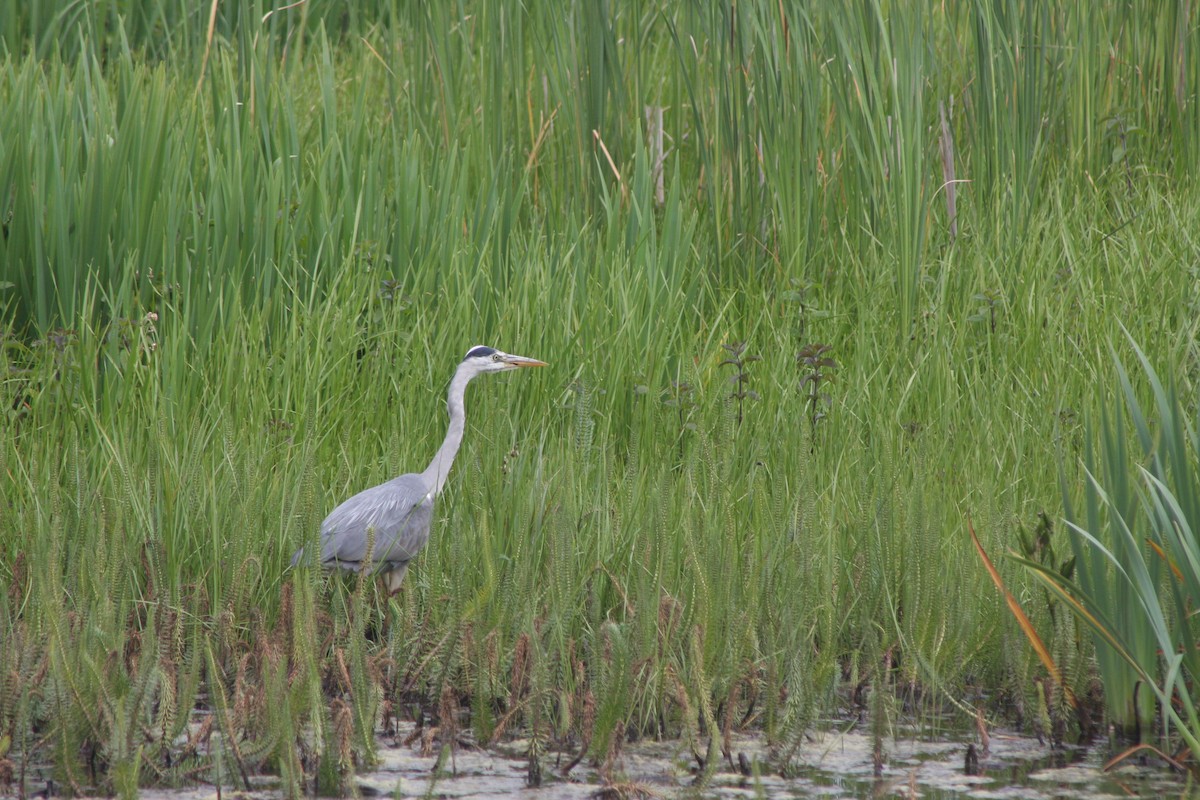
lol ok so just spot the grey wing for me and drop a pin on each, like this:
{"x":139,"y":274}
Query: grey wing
{"x":399,"y":512}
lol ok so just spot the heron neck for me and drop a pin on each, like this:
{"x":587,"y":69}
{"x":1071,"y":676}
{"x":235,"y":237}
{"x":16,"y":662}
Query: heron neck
{"x":439,"y":469}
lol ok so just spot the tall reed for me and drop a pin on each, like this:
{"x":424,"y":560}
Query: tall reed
{"x":236,"y":272}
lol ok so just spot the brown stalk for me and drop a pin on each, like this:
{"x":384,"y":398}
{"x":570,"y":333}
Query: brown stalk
{"x":946,"y":145}
{"x":1137,"y":748}
{"x":540,"y":140}
{"x":212,"y":26}
{"x":607,"y":157}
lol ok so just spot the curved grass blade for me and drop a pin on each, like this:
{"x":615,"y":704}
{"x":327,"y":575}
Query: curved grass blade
{"x":1018,"y":613}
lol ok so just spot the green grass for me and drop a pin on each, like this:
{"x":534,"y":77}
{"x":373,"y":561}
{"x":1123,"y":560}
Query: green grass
{"x":1144,"y":651}
{"x":234,"y":288}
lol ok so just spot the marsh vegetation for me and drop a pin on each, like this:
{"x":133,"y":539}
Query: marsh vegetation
{"x":816,"y":282}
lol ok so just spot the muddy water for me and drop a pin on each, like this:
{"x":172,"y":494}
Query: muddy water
{"x":831,"y":764}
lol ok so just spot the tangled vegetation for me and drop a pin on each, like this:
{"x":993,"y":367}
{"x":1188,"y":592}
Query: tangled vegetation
{"x":816,"y":282}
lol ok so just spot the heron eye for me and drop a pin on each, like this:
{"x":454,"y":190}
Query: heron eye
{"x":495,"y":357}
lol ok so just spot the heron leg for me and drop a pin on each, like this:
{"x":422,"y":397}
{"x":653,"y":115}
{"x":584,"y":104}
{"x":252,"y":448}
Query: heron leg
{"x":393,"y":578}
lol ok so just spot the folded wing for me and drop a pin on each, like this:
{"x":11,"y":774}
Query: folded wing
{"x":399,"y":512}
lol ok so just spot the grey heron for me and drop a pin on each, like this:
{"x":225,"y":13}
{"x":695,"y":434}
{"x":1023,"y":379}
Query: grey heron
{"x":399,"y":512}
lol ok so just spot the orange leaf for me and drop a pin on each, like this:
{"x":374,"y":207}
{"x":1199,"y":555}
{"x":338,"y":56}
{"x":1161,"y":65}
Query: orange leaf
{"x":1039,"y":646}
{"x":1163,"y":556}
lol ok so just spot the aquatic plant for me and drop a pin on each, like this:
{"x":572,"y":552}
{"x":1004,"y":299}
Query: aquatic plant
{"x":237,"y":240}
{"x":1137,"y":590}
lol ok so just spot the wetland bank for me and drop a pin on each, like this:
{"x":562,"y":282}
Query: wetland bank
{"x":818,"y":284}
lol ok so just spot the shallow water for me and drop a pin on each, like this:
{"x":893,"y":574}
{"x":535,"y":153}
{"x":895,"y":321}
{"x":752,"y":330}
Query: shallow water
{"x":837,"y":763}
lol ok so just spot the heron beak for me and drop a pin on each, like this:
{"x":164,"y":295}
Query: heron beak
{"x":521,"y":361}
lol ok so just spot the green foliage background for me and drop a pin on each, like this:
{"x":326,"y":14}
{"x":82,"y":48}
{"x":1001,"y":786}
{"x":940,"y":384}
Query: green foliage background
{"x":239,"y":262}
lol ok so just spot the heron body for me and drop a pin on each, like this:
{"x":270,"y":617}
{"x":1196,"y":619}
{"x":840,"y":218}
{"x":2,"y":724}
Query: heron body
{"x":392,"y":520}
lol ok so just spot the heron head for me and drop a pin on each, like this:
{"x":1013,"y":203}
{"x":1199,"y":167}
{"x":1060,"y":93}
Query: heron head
{"x":489,"y":359}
